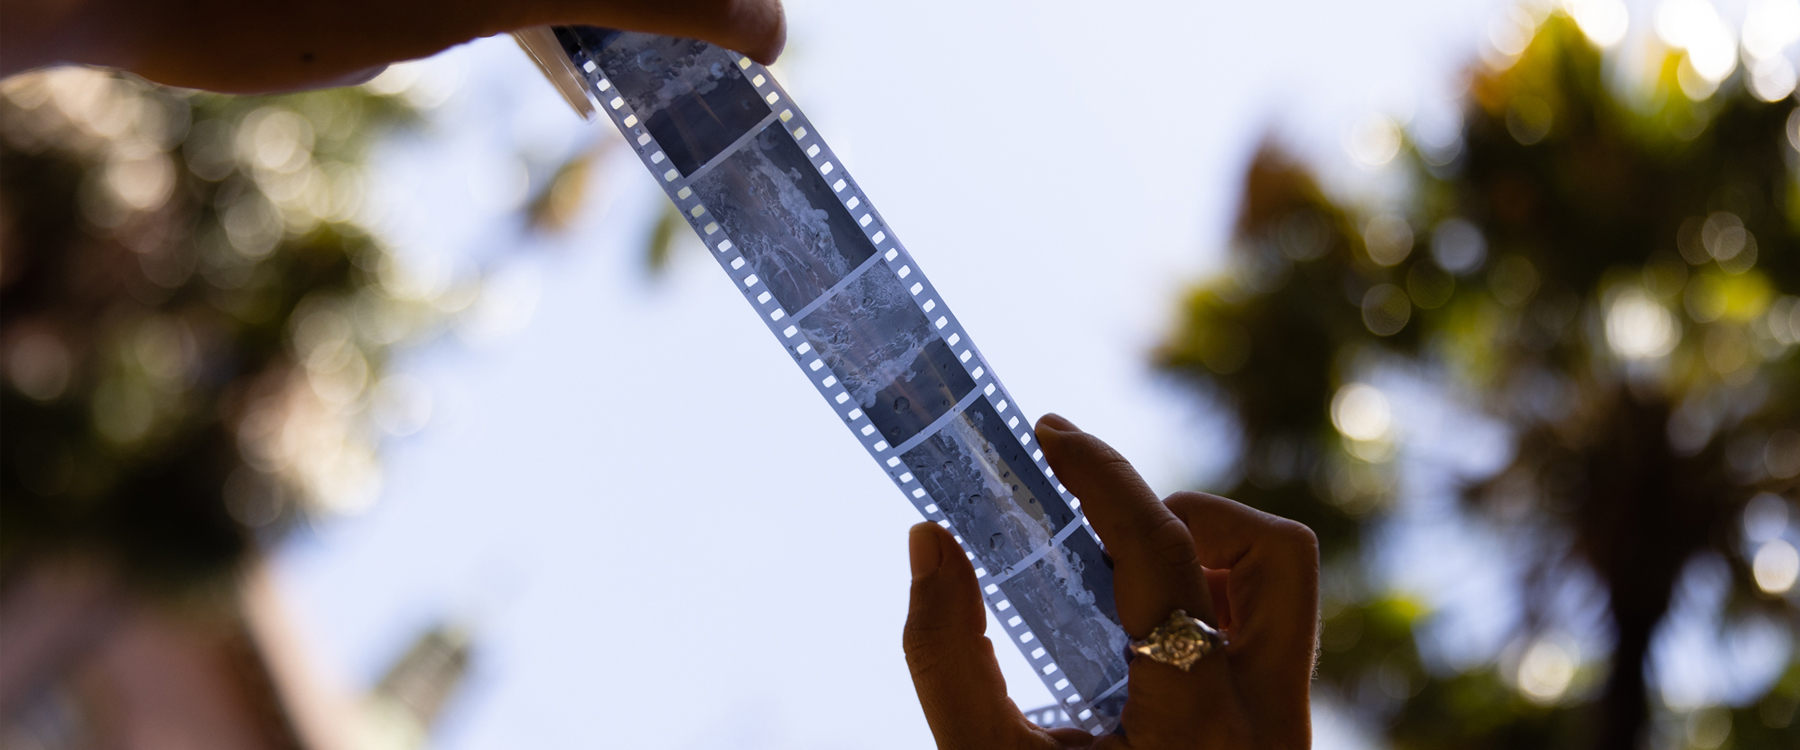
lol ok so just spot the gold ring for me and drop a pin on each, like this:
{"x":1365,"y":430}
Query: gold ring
{"x":1180,"y":641}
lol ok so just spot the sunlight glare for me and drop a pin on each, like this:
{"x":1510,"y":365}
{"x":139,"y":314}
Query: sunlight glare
{"x":1772,"y":78}
{"x":1638,"y":327}
{"x":1695,"y":26}
{"x":1603,"y":21}
{"x":1769,"y":27}
{"x":1360,"y":411}
{"x":1511,"y":31}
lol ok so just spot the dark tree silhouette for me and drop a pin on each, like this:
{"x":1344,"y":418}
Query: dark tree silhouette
{"x":1609,"y":276}
{"x":193,"y":318}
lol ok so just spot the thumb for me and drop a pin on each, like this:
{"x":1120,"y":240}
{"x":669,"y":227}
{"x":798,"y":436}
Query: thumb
{"x":757,"y":28}
{"x":952,"y":662}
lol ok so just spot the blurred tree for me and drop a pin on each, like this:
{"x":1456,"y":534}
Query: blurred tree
{"x":1610,"y":276}
{"x":194,"y":318}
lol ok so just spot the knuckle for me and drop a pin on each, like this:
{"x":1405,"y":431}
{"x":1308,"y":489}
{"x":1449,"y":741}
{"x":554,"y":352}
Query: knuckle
{"x":1171,"y":542}
{"x":1105,"y":462}
{"x":1186,"y":500}
{"x":1296,"y":536}
{"x":922,"y":646}
{"x":928,"y":650}
{"x":1087,"y":447}
{"x":1104,"y":455}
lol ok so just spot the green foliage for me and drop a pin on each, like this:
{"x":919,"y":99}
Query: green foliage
{"x":194,"y":318}
{"x":1612,"y":277}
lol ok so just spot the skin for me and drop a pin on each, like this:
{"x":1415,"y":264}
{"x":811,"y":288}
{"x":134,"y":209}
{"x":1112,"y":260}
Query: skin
{"x":283,"y":45}
{"x":1251,"y":574}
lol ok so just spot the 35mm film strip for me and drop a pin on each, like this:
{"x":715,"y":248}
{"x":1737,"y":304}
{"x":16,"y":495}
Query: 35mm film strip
{"x":836,"y":287}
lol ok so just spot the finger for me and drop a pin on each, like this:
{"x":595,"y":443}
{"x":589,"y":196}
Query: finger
{"x":952,"y":662}
{"x":283,"y":45}
{"x":1272,"y":566}
{"x":757,"y":28}
{"x":1155,"y":572}
{"x":1156,"y":569}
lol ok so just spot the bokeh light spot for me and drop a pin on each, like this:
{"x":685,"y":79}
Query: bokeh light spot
{"x":1784,"y":320}
{"x":1374,"y":141}
{"x":1695,"y":27}
{"x":141,"y":182}
{"x":1708,"y":728}
{"x":1603,"y":21}
{"x":1765,"y":517}
{"x":1511,"y":31}
{"x":1728,"y":351}
{"x":1513,"y":280}
{"x":1429,"y":286}
{"x":1386,"y":310}
{"x":1723,"y":235}
{"x":1458,"y":246}
{"x":1388,"y":238}
{"x":1547,"y":669}
{"x":276,"y":139}
{"x":1770,"y":26}
{"x":1360,"y":411}
{"x":1776,"y":566}
{"x":1773,"y":78}
{"x":38,"y":366}
{"x":1639,"y":327}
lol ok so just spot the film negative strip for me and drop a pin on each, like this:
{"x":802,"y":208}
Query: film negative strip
{"x":839,"y":291}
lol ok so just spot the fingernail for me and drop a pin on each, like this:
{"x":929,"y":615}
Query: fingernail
{"x":1057,"y":422}
{"x":922,"y":548}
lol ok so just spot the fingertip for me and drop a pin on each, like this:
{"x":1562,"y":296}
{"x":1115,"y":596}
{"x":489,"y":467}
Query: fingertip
{"x":1054,"y":431}
{"x":775,"y":47}
{"x":766,"y":23}
{"x":923,"y":550}
{"x":767,"y":52}
{"x":356,"y":78}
